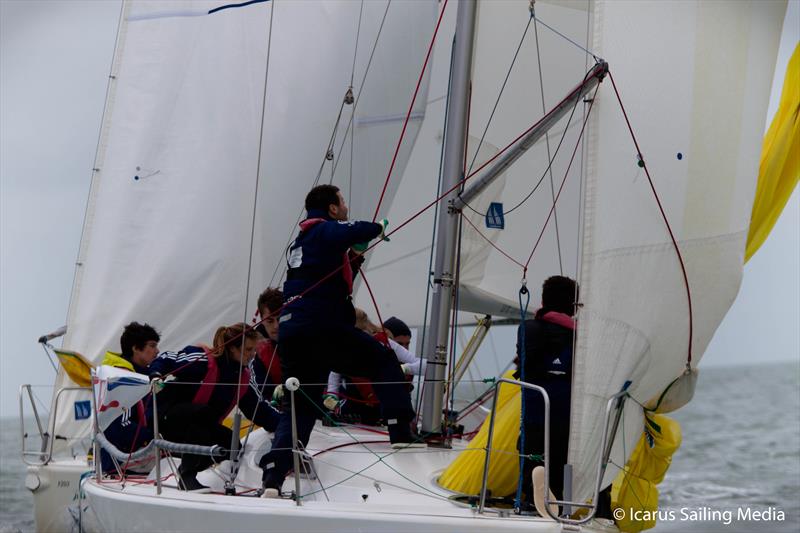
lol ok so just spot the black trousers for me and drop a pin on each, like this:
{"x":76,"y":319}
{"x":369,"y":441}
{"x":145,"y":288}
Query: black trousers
{"x":534,"y":445}
{"x":194,"y":424}
{"x":310,"y":358}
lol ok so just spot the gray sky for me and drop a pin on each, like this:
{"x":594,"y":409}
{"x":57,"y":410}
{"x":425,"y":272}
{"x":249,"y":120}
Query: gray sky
{"x":54,"y":61}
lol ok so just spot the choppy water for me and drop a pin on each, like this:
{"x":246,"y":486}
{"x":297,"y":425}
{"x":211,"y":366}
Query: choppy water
{"x":741,"y":450}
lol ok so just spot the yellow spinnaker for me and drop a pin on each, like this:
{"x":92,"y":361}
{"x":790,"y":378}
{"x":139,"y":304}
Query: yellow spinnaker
{"x":634,"y":489}
{"x":77,"y":368}
{"x":465,"y":473}
{"x":779,"y":168}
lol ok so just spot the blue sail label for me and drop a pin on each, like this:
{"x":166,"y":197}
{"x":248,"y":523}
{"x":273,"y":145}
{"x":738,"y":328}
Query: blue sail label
{"x":494,"y":216}
{"x":83,"y":409}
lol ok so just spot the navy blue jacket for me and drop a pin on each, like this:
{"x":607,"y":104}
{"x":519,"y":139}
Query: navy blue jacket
{"x":548,"y":363}
{"x":315,"y":253}
{"x":189,"y":366}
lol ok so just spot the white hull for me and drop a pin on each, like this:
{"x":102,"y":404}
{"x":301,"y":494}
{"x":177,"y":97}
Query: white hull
{"x":55,"y":491}
{"x":393,"y":491}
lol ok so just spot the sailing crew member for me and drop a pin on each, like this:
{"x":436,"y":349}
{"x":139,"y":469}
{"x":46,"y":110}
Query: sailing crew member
{"x":545,"y":359}
{"x":318,"y":333}
{"x":266,"y":373}
{"x":400,"y":331}
{"x":132,"y":430}
{"x":192,"y":407}
{"x":354,"y":397}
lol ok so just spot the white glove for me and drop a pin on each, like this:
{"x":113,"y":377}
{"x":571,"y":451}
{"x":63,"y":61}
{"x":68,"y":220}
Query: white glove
{"x":277,"y":394}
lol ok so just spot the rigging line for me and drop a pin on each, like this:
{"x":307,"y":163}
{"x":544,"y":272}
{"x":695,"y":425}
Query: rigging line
{"x":350,"y":175}
{"x":540,"y":21}
{"x":468,"y":177}
{"x":410,"y":108}
{"x":255,"y":201}
{"x":663,"y":215}
{"x":347,"y":130}
{"x":331,"y":142}
{"x":549,"y":163}
{"x":566,"y":174}
{"x":547,"y":141}
{"x":500,"y":95}
{"x":375,"y":304}
{"x":493,"y":245}
{"x":361,"y":87}
{"x":380,"y":457}
{"x":355,"y":51}
{"x":355,"y":473}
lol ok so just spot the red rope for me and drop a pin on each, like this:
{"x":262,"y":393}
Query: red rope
{"x":375,"y":304}
{"x":663,"y":215}
{"x":408,"y":114}
{"x":493,"y":245}
{"x":566,"y":174}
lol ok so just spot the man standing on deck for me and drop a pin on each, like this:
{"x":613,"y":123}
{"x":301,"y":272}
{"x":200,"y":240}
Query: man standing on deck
{"x":318,"y":334}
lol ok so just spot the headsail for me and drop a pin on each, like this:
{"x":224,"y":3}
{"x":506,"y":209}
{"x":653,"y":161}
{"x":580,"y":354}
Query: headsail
{"x":696,"y":87}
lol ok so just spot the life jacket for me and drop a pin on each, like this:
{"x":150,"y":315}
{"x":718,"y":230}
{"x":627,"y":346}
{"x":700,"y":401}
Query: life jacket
{"x":267,"y":353}
{"x":548,"y":363}
{"x":206,"y":389}
{"x":310,"y":272}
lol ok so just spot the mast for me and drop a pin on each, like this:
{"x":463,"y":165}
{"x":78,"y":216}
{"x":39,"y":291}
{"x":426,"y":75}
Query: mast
{"x":447,"y":225}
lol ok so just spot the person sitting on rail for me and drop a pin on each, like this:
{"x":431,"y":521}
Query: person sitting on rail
{"x":133,"y":429}
{"x":352,"y":397}
{"x":266,"y":374}
{"x":191,"y":408}
{"x":400,"y":331}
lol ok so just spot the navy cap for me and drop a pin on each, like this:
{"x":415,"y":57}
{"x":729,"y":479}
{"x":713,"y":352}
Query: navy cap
{"x":397,"y":327}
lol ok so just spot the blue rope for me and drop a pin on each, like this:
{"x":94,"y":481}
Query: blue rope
{"x":523,"y":311}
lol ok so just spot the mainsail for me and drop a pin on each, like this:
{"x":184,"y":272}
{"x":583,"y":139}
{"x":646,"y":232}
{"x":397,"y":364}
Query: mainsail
{"x":184,"y":164}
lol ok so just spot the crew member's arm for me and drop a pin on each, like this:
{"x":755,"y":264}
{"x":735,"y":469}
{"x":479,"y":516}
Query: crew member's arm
{"x":343,"y":235}
{"x":259,"y":411}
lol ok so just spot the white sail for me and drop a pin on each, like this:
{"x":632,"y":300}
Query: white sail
{"x":696,"y":87}
{"x":167,"y":237}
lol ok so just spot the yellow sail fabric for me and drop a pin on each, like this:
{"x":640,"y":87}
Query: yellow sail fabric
{"x":244,"y":428}
{"x":634,"y":490}
{"x":465,"y":473}
{"x":76,"y":366}
{"x":779,"y":168}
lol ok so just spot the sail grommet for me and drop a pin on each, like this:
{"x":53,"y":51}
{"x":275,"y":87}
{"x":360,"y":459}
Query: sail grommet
{"x":640,"y":160}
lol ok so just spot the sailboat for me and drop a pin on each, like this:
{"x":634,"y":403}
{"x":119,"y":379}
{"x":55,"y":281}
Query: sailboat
{"x":621,"y":149}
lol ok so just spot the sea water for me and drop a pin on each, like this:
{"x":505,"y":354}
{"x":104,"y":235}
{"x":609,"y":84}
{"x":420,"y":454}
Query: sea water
{"x":738,"y":469}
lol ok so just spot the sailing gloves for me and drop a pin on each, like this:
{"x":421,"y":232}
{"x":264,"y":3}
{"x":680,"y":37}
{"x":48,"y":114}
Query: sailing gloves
{"x":362,"y":246}
{"x":330,"y":401}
